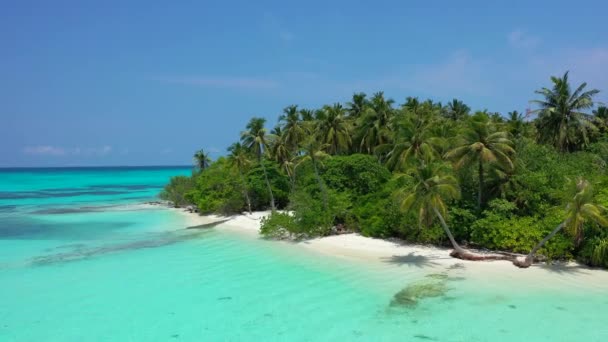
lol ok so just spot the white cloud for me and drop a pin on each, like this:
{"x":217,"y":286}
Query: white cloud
{"x":584,"y":65}
{"x":45,"y":150}
{"x":522,"y":40}
{"x":49,"y":150}
{"x":458,"y":74}
{"x":166,"y":150}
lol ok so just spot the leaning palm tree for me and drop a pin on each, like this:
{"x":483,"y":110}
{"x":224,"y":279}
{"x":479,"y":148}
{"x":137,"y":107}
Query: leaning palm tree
{"x":201,"y":160}
{"x":479,"y":144}
{"x":579,"y":210}
{"x":239,"y":159}
{"x":562,"y":121}
{"x":334,"y":129}
{"x":434,"y":187}
{"x":255,"y":140}
{"x":313,"y":151}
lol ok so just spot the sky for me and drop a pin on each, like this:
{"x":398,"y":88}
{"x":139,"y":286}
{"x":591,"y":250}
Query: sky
{"x":95,"y":83}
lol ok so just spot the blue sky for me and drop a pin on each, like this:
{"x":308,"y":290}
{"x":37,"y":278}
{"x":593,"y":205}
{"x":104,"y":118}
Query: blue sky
{"x":149,"y":82}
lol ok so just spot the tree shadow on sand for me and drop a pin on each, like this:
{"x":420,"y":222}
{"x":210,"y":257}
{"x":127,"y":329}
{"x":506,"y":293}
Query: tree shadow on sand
{"x":563,"y":268}
{"x":412,"y":259}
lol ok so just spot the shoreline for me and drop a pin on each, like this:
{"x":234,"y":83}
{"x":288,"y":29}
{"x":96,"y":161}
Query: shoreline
{"x":399,"y":255}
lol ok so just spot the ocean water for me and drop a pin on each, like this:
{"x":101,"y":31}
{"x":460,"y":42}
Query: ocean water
{"x":81,"y":259}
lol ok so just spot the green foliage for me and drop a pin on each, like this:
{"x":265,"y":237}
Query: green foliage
{"x":278,"y":226}
{"x":218,"y":189}
{"x":342,"y":164}
{"x":175,"y":192}
{"x":311,"y":217}
{"x":595,"y":252}
{"x":260,"y":197}
{"x":357,"y":174}
{"x":500,"y":229}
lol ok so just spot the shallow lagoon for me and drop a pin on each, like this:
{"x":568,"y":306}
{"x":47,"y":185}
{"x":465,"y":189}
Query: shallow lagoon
{"x":99,"y":267}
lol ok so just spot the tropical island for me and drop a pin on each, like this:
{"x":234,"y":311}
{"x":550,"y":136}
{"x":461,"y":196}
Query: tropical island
{"x":529,"y":183}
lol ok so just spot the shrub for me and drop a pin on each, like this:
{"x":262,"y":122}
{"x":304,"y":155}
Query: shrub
{"x":258,"y":189}
{"x":278,"y":226}
{"x":177,"y":189}
{"x":499,"y":229}
{"x":358,"y":174}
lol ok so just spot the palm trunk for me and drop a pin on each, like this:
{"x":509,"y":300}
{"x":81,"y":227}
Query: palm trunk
{"x":527,"y":262}
{"x":272,"y":206}
{"x":479,"y":195}
{"x":455,"y":244}
{"x":321,"y":186}
{"x":293,"y":180}
{"x":245,"y":192}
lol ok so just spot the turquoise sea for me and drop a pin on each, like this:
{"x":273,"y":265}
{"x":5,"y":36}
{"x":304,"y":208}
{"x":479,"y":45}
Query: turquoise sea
{"x":81,"y":259}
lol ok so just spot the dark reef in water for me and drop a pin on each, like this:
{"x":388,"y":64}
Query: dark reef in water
{"x":94,"y":190}
{"x":82,"y":253}
{"x":433,"y":285}
{"x":413,"y":293}
{"x":7,"y":208}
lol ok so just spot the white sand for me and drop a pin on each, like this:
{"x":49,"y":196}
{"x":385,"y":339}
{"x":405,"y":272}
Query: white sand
{"x":363,"y":249}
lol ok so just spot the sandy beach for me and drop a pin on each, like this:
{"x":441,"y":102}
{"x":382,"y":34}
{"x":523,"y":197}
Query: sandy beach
{"x":398,"y":254}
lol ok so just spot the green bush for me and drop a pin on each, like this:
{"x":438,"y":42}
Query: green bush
{"x":499,"y":229}
{"x":258,"y":189}
{"x":218,"y":190}
{"x":175,"y":192}
{"x":278,"y":226}
{"x":599,"y":257}
{"x":310,"y":215}
{"x":358,"y":174}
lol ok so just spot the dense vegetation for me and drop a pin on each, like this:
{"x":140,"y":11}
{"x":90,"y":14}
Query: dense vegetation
{"x":424,"y":172}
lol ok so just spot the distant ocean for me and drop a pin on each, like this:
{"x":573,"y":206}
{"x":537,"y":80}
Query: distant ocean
{"x":83,"y":259}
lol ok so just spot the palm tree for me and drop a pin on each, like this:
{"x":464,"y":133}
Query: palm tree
{"x":561,"y":121}
{"x":282,"y":154}
{"x":373,"y":126}
{"x":307,"y":115}
{"x":255,"y":140}
{"x":201,"y":160}
{"x":412,"y":104}
{"x":313,"y":151}
{"x":333,"y":128}
{"x":412,"y":142}
{"x":434,"y":187}
{"x":516,"y":124}
{"x":456,"y":110}
{"x":480,"y":143}
{"x":294,"y":129}
{"x":580,"y":209}
{"x":357,"y":106}
{"x":239,"y":159}
{"x":601,"y":118}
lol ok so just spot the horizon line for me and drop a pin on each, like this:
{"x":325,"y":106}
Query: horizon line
{"x":89,"y":166}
